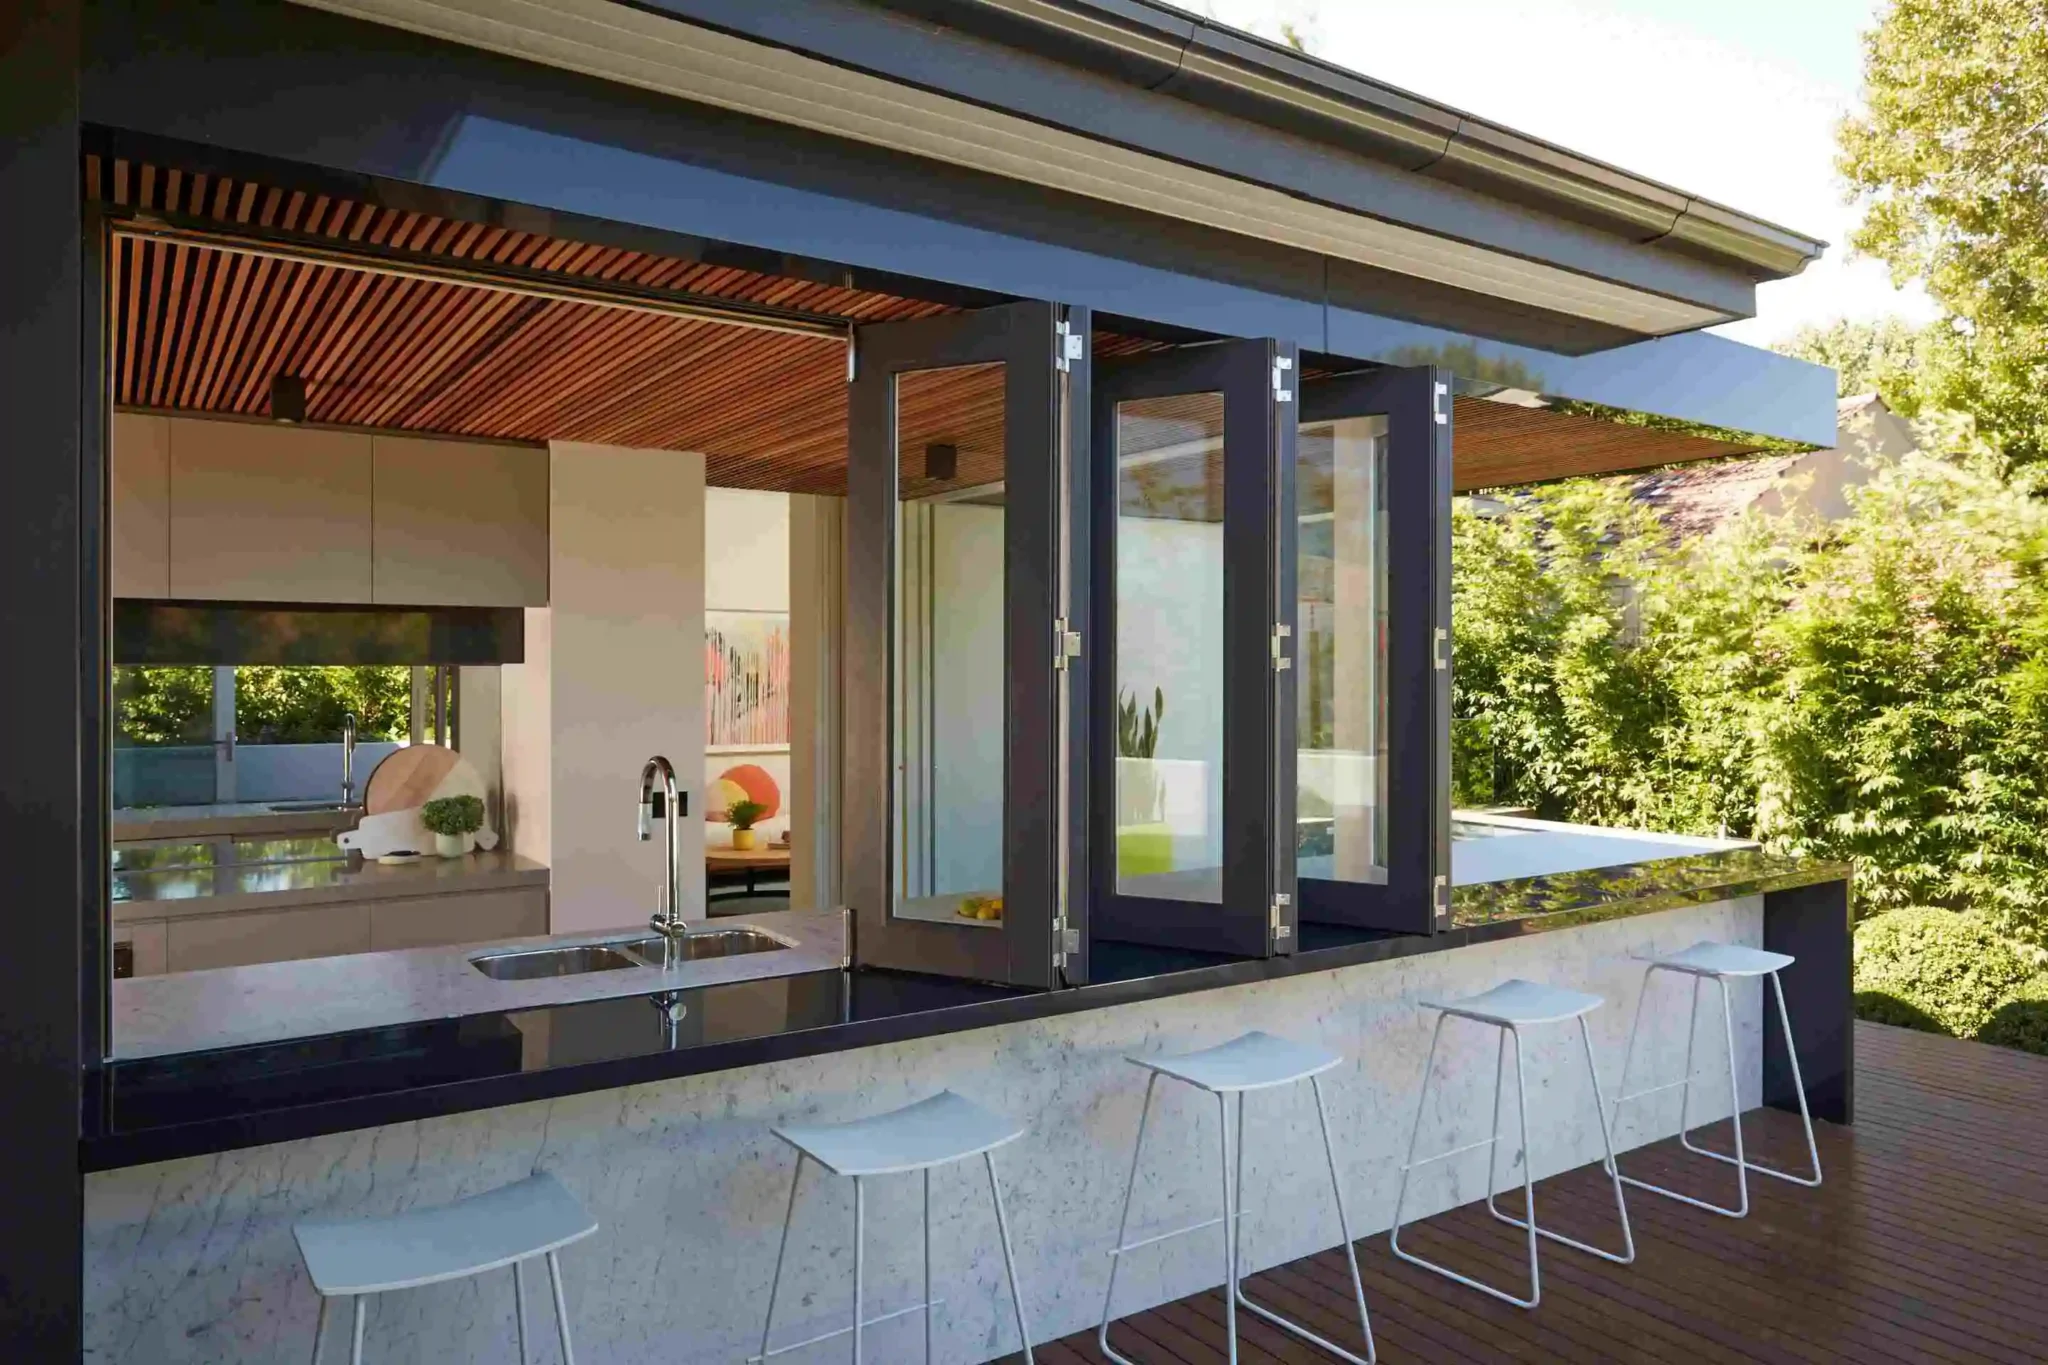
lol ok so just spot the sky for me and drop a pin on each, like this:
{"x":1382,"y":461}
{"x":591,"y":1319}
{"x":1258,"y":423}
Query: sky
{"x":1733,"y":100}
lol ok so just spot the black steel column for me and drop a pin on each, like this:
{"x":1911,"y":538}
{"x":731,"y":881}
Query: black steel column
{"x":1812,"y":923}
{"x":45,"y":627}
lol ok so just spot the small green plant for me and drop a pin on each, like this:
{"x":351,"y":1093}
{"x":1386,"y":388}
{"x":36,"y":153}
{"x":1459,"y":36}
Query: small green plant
{"x":1137,"y":732}
{"x":743,"y":813}
{"x":2021,"y":1020}
{"x":453,"y":815}
{"x":1919,"y":967}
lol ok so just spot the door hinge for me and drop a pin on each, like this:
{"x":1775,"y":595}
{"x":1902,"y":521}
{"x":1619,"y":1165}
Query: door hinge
{"x":1066,"y":644}
{"x":1440,"y":898}
{"x":1065,"y":943}
{"x":1436,"y":404}
{"x":1281,"y":365}
{"x":1440,"y":648}
{"x":1068,"y":346}
{"x":1281,"y":661}
{"x":1282,"y":930}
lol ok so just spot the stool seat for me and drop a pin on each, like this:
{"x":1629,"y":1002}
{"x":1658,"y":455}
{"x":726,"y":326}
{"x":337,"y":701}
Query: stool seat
{"x":424,"y":1246}
{"x":1724,"y":959}
{"x":947,"y":1127}
{"x":1251,"y":1061}
{"x":1516,"y":1001}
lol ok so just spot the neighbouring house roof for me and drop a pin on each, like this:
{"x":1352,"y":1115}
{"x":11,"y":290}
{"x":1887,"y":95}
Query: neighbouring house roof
{"x":1695,"y":500}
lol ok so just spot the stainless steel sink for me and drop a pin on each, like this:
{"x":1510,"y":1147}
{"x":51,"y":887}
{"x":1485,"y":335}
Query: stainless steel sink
{"x":703,"y":943}
{"x":533,"y":964}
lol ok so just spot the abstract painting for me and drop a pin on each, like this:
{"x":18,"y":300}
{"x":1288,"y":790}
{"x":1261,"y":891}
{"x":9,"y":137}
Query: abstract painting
{"x":746,"y":680}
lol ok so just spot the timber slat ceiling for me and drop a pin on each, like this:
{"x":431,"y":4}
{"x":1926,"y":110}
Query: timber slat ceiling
{"x":199,"y":329}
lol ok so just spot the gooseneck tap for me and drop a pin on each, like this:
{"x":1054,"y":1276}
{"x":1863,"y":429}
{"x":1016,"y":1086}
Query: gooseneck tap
{"x":668,"y":916}
{"x":348,"y":759}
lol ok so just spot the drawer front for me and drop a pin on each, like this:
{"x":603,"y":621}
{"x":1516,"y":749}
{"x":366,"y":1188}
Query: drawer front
{"x":237,"y":940}
{"x":467,"y":917}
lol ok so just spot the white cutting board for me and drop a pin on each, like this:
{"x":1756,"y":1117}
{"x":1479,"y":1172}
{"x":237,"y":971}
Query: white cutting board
{"x":385,"y":830}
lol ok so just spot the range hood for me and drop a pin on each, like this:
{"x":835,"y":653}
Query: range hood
{"x":162,"y":632}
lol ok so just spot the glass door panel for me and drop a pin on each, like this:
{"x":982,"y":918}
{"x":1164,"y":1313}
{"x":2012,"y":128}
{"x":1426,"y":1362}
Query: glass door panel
{"x":1373,"y":475}
{"x":1193,"y":469}
{"x":1169,"y":647}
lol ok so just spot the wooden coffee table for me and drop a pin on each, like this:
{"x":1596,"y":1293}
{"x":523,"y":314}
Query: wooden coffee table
{"x":728,"y":864}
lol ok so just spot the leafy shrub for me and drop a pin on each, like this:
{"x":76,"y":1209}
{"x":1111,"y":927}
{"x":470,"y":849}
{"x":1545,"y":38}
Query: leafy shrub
{"x":453,"y":815}
{"x":2021,"y":1021}
{"x":1917,"y":966}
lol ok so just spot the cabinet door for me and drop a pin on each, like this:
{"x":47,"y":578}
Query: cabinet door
{"x":468,"y":917}
{"x":139,"y":506}
{"x":460,"y":524}
{"x":268,"y":513}
{"x":1193,"y":696}
{"x":1374,"y":607}
{"x":237,"y":940}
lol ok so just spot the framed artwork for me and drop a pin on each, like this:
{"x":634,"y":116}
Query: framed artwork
{"x":746,"y":681}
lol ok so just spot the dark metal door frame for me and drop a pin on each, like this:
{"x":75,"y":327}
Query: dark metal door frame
{"x":1252,"y":920}
{"x":1029,"y":338}
{"x":1417,"y":405}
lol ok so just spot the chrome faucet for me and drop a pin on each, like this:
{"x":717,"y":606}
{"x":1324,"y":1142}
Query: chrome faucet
{"x":668,"y":916}
{"x":348,"y":759}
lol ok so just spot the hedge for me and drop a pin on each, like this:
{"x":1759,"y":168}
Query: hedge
{"x":1936,"y":970}
{"x":2022,"y":1020}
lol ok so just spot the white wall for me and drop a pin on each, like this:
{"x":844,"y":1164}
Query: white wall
{"x":614,"y":672}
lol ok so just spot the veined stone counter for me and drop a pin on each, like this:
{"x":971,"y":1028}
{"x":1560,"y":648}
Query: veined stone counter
{"x":192,"y":1259}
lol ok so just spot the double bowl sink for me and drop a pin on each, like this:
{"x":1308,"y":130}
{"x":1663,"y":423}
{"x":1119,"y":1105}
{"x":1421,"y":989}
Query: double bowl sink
{"x":611,"y":955}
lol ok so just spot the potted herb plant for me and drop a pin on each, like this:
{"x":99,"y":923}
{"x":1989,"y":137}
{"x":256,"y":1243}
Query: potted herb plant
{"x":453,"y":820}
{"x":741,"y":815}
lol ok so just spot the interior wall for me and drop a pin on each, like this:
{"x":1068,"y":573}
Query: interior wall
{"x":746,"y":570}
{"x":615,"y":674}
{"x":817,"y":564}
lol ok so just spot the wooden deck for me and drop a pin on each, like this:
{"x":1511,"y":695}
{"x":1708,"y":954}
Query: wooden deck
{"x":1927,"y":1243}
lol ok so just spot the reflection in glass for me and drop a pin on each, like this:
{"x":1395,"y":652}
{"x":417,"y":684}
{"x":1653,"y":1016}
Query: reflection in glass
{"x":948,"y":703}
{"x":1169,"y":648}
{"x":1340,"y":805}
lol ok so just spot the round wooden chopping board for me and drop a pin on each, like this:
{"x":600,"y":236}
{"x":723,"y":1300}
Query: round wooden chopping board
{"x":407,"y":778}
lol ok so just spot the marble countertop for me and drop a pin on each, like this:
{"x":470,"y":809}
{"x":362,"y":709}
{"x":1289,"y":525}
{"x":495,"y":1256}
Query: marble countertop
{"x":176,"y":892}
{"x":272,"y":1001}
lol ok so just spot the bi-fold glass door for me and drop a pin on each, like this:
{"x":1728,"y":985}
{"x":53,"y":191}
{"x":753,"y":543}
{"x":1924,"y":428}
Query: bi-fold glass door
{"x":1372,"y":625}
{"x":963,"y":829}
{"x":1193,"y":704}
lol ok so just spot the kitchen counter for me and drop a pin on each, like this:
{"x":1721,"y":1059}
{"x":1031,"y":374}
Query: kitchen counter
{"x":294,"y":878}
{"x":225,"y":819}
{"x":479,"y":1044}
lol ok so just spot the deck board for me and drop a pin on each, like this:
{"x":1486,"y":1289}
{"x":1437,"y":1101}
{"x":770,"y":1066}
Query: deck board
{"x":1926,"y":1244}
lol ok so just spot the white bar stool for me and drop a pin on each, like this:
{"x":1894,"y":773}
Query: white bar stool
{"x":1509,"y":1007}
{"x":507,"y":1226}
{"x":1255,"y":1061}
{"x":1718,"y":962}
{"x":934,"y":1132}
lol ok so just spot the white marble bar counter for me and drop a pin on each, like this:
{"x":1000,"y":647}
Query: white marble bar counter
{"x":191,"y":1259}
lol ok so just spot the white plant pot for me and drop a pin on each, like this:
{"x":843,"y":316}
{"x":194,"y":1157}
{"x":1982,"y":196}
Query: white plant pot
{"x":451,"y":845}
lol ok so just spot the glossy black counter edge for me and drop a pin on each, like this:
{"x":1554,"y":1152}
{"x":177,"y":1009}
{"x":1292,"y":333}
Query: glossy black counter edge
{"x":111,"y":1151}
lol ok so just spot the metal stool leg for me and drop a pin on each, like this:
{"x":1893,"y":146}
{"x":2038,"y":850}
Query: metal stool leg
{"x":1805,"y":1116}
{"x":1627,"y":1254}
{"x":1229,"y":1228}
{"x":519,"y":1306}
{"x":355,"y":1356}
{"x":995,"y":1193}
{"x":1123,"y":1224}
{"x":860,"y":1213}
{"x":320,"y":1328}
{"x":561,"y":1310}
{"x":928,"y":1259}
{"x":781,"y":1250}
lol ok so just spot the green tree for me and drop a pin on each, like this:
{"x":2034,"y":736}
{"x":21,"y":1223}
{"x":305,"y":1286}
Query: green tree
{"x":277,"y":705}
{"x":164,"y":705}
{"x":1886,"y":357}
{"x":1950,"y":163}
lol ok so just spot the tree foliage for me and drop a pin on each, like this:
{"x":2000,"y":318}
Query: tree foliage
{"x":1877,"y":692}
{"x":273,"y":705}
{"x":1950,"y":164}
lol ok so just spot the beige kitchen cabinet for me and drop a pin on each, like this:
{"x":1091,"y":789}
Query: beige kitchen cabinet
{"x":237,"y":939}
{"x":265,"y":512}
{"x":472,"y":917}
{"x":149,"y":941}
{"x":139,"y":515}
{"x":459,"y":523}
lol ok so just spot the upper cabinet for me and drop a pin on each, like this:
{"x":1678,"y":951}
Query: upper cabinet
{"x":139,"y":528}
{"x":460,"y":524}
{"x":259,"y":512}
{"x":267,"y":513}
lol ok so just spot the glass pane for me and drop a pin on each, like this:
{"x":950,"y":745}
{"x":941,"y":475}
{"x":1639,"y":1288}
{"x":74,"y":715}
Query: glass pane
{"x":163,"y":737}
{"x":1340,"y":803}
{"x":1169,"y":648}
{"x":950,"y":665}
